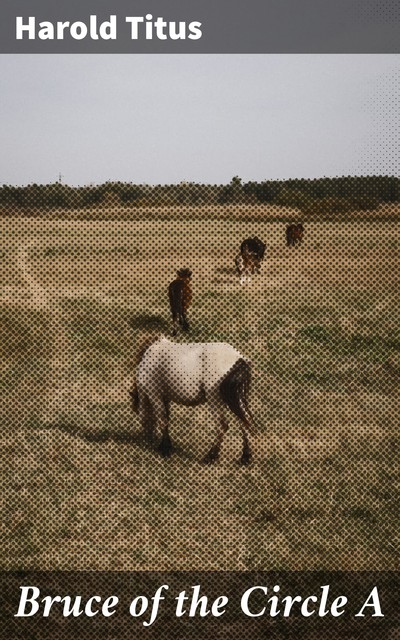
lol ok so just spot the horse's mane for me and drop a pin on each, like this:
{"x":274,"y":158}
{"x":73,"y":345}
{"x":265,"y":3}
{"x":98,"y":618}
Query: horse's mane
{"x":144,"y":340}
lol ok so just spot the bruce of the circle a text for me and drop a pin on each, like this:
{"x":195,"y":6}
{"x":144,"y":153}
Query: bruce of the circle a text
{"x":255,"y":602}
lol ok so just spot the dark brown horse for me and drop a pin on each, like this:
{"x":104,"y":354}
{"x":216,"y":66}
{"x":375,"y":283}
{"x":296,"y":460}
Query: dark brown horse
{"x":180,"y":298}
{"x":254,"y":246}
{"x":248,"y":261}
{"x":247,"y":264}
{"x":294,"y":234}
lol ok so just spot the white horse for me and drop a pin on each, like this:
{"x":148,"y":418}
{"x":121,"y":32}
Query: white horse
{"x":191,"y":374}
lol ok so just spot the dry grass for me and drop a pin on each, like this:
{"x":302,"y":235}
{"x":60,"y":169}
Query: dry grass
{"x":80,"y":488}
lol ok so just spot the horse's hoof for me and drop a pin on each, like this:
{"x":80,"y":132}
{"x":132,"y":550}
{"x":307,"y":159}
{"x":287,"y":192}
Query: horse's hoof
{"x":246,"y":459}
{"x":165,"y":452}
{"x":211,"y":457}
{"x":209,"y":460}
{"x":165,"y":448}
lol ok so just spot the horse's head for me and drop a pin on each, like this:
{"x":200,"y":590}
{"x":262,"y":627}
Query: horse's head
{"x":185,"y":274}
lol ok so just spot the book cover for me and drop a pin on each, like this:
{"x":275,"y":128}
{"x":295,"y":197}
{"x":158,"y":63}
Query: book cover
{"x":199,"y":325}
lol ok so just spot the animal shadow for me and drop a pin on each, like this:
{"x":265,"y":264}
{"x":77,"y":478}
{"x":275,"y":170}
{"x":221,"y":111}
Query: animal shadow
{"x":135,"y":438}
{"x":148,"y":321}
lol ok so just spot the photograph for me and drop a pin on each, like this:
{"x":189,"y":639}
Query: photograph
{"x":199,"y":313}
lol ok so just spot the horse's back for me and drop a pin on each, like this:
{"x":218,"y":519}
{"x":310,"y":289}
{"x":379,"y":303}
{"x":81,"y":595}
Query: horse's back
{"x":205,"y":361}
{"x":217,"y":361}
{"x":186,"y":370}
{"x":254,"y":245}
{"x":171,"y":369}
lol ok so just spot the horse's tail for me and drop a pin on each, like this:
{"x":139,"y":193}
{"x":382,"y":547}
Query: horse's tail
{"x":144,"y":340}
{"x":234,"y":390}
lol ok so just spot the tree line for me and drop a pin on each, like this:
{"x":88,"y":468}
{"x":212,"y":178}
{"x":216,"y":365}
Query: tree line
{"x":322,"y":197}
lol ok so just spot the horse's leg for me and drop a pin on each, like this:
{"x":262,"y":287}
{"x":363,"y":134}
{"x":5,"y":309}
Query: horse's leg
{"x":234,"y":394}
{"x":185,"y":322}
{"x":135,"y":398}
{"x":175,"y":320}
{"x":246,"y":275}
{"x":147,"y":418}
{"x":161,"y":409}
{"x":217,"y":413}
{"x":247,"y":427}
{"x":246,"y":454}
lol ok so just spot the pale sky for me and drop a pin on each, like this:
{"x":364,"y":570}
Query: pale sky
{"x":205,"y":118}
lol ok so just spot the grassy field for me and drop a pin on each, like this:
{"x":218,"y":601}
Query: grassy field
{"x":321,"y":324}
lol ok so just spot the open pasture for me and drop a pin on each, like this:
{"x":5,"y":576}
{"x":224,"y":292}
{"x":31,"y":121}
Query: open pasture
{"x":81,"y":490}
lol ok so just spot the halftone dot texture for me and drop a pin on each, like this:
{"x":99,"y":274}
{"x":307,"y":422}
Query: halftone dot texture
{"x":385,"y":130}
{"x":84,"y":282}
{"x":386,"y":11}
